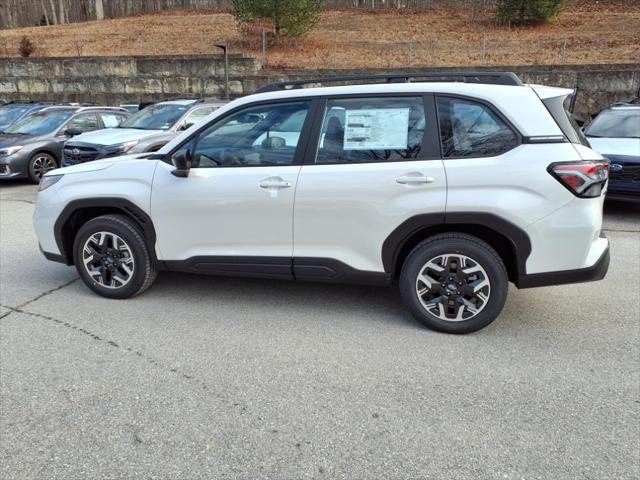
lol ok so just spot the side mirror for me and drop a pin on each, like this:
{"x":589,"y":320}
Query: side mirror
{"x":72,"y":132}
{"x":186,"y":126}
{"x":182,"y":162}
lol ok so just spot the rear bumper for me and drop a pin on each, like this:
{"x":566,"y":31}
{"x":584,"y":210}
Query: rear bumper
{"x":589,"y":274}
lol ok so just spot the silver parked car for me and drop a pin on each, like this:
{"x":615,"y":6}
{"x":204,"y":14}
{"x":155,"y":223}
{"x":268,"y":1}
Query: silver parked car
{"x":147,"y":130}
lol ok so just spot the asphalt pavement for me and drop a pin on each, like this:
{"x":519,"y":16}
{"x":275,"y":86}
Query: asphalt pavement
{"x":221,"y":378}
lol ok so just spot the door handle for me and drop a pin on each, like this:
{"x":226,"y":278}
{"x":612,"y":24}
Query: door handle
{"x":414,"y":178}
{"x":274,"y":183}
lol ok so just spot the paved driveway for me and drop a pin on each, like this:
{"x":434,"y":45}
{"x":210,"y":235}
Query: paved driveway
{"x":229,"y":378}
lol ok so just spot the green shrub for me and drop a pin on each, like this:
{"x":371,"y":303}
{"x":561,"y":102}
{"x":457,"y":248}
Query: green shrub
{"x":289,"y":17}
{"x":526,"y":12}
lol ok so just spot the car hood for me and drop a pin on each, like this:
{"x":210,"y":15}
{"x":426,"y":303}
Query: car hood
{"x":9,"y":140}
{"x":113,"y":136}
{"x":95,"y":165}
{"x":615,"y":146}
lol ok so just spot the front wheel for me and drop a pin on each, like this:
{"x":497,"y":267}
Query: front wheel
{"x":454,"y":283}
{"x":40,"y":164}
{"x":112,"y":257}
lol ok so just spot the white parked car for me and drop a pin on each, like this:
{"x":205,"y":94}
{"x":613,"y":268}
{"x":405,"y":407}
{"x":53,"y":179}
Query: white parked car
{"x":449,"y":190}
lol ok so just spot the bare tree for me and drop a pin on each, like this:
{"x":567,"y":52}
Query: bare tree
{"x":99,"y":10}
{"x":61,"y":16}
{"x":54,"y":16}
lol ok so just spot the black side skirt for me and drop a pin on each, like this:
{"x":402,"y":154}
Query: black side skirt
{"x":279,"y":268}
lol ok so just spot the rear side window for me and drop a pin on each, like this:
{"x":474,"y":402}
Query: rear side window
{"x":362,"y":130}
{"x":471,"y":129}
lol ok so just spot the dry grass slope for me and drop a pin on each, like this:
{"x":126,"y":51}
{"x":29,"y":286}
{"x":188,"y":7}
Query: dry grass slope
{"x":595,"y":33}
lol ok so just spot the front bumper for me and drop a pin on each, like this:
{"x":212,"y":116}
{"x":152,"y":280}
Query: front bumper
{"x":14,"y":166}
{"x":595,"y":272}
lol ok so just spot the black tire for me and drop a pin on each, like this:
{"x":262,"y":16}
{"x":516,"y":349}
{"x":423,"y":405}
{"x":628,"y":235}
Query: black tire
{"x":454,"y":244}
{"x":39,"y":164}
{"x":144,"y":265}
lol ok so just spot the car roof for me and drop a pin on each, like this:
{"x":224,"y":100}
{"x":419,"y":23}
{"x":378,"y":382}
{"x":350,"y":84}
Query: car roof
{"x":185,"y":102}
{"x":520,"y":104}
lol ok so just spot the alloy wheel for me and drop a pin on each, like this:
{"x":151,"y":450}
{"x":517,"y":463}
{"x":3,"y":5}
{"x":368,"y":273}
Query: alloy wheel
{"x":453,"y":287}
{"x":108,"y":260}
{"x":42,"y":164}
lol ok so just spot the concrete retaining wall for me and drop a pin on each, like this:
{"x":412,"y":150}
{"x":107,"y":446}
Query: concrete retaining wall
{"x":114,"y":80}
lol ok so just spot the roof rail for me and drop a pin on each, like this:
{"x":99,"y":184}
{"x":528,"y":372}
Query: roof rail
{"x":96,"y":107}
{"x":495,"y":78}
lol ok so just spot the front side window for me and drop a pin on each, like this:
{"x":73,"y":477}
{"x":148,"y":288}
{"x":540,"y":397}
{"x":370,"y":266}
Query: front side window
{"x":85,"y":122}
{"x":254,"y":136}
{"x":197,"y":115}
{"x":362,"y":130}
{"x":40,"y":123}
{"x":471,"y":129}
{"x":155,"y":117}
{"x":111,"y":120}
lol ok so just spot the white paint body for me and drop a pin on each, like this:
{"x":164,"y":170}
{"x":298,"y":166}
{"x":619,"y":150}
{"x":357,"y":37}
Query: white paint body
{"x":346,"y":211}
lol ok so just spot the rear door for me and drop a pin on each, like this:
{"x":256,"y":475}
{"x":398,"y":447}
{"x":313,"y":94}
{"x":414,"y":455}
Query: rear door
{"x":372,"y":163}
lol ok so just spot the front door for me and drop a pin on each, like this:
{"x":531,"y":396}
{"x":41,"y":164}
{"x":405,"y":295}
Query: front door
{"x":234,"y":212}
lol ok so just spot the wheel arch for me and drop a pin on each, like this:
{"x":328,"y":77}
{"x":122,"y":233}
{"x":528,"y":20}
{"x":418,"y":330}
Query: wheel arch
{"x":78,"y":212}
{"x":510,"y":242}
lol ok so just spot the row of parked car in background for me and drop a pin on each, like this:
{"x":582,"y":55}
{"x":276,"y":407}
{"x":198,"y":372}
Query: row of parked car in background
{"x":38,"y":137}
{"x":42,"y":136}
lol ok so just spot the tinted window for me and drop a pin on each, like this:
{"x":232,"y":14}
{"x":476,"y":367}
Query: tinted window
{"x":371,"y":130}
{"x":470,"y":129}
{"x":40,"y":123}
{"x":617,"y":123}
{"x":155,"y":117}
{"x":251,"y":137}
{"x":85,"y":122}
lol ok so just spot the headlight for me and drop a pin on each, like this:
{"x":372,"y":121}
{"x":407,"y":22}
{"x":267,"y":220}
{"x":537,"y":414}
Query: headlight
{"x":49,"y":180}
{"x":5,"y":152}
{"x":122,"y":147}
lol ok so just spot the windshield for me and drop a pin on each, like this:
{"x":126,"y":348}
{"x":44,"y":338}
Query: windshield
{"x":155,"y":117}
{"x":40,"y":123}
{"x":617,"y":123}
{"x":10,"y":114}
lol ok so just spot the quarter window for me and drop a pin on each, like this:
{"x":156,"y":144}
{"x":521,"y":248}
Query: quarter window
{"x":256,"y":136}
{"x":371,"y":130}
{"x":471,"y":129}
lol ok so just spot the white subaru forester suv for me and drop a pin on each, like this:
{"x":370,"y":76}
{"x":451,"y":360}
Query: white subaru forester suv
{"x":448,"y":189}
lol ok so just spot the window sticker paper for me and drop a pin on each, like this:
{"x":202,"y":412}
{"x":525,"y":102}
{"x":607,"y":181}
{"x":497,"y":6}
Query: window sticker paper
{"x":376,"y":129}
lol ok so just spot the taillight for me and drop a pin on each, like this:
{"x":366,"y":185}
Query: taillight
{"x":583,"y":179}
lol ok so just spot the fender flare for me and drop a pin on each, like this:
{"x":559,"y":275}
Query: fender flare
{"x":140,"y":217}
{"x":518,"y":238}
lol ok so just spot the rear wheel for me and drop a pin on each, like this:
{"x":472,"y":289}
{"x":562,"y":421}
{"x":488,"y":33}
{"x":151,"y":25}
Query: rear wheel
{"x":112,"y":257}
{"x":40,"y":164}
{"x":454,"y":283}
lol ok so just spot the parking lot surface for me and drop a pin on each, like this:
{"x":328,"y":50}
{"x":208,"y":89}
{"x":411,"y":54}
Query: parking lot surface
{"x":204,"y":377}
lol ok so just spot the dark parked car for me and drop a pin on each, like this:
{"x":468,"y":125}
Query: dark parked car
{"x":615,"y":133}
{"x":33,"y":145}
{"x":10,"y":113}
